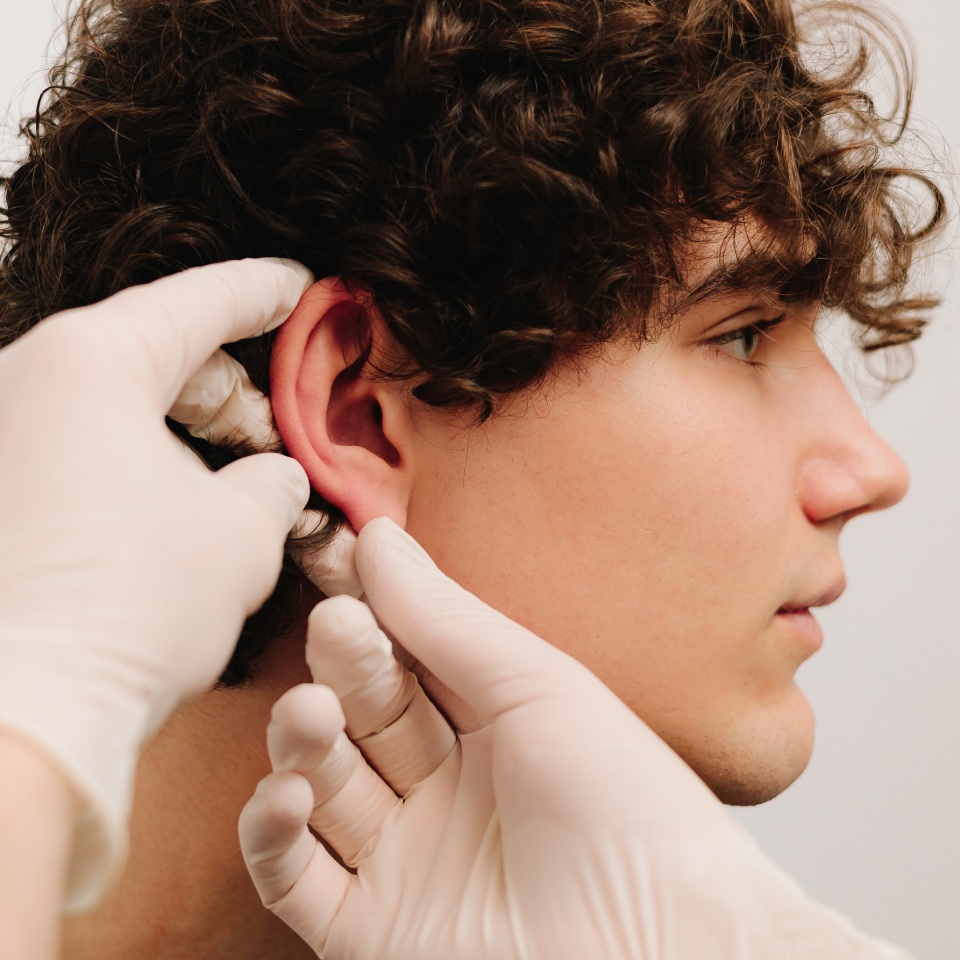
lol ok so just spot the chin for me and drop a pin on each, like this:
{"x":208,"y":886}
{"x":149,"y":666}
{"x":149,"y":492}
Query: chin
{"x":752,"y":790}
{"x":757,"y":758}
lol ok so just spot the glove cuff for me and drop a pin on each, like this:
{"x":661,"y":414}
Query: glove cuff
{"x":82,"y":715}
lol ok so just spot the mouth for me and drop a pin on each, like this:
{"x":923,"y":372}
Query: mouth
{"x":798,"y":615}
{"x":821,"y":600}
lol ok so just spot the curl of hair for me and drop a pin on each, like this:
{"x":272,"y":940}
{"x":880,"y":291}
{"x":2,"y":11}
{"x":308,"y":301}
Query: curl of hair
{"x":515,"y":180}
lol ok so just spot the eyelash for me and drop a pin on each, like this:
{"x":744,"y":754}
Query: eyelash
{"x":757,"y":330}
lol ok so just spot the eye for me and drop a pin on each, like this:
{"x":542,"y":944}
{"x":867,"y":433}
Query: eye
{"x":743,"y":343}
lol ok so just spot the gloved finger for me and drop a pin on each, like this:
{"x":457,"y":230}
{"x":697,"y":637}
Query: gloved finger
{"x":388,"y":716}
{"x":219,"y":403}
{"x":278,"y":489}
{"x":277,"y":483}
{"x":182,"y":319}
{"x":485,"y":658}
{"x":351,"y":803}
{"x":295,"y":877}
{"x":462,"y":717}
{"x":274,"y":839}
{"x":331,"y":568}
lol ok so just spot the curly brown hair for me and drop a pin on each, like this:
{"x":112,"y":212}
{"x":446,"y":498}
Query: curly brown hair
{"x":512,"y":179}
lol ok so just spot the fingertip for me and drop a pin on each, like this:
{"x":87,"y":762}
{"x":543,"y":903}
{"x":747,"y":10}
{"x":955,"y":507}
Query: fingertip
{"x":272,"y":480}
{"x":305,"y":724}
{"x":275,"y":841}
{"x":383,"y":545}
{"x":296,"y":479}
{"x":345,"y":646}
{"x":378,"y":528}
{"x":299,"y":279}
{"x":340,"y":621}
{"x":309,"y":705}
{"x":291,"y":278}
{"x":272,"y":819}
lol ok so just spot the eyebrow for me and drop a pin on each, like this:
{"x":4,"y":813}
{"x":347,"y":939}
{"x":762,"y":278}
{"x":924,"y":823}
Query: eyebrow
{"x":778,"y":279}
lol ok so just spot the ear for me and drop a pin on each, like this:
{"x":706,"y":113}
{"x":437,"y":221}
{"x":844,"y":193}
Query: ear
{"x":350,"y":432}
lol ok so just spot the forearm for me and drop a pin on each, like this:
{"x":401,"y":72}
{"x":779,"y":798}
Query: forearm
{"x":36,"y":826}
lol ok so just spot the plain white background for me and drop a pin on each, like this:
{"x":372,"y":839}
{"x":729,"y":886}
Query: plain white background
{"x":872,"y":827}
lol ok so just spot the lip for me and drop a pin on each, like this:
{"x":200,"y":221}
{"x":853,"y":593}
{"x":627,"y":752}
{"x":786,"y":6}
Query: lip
{"x":805,"y":624}
{"x":800,"y":618}
{"x":821,"y":600}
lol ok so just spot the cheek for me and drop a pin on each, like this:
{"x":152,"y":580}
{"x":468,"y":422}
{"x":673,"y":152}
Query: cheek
{"x":632,"y":543}
{"x":647,"y":526}
{"x":653,"y":549}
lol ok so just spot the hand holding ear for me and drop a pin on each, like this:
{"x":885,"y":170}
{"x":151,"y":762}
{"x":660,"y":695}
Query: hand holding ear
{"x":561,"y":828}
{"x":126,"y":566}
{"x":330,"y":408}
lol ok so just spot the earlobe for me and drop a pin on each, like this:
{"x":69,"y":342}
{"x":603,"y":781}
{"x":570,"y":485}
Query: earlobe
{"x":347,"y":429}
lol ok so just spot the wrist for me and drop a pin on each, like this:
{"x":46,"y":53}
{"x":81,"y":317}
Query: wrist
{"x":83,"y":713}
{"x":37,"y":817}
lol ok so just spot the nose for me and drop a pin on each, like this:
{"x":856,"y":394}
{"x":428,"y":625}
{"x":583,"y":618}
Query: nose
{"x":848,"y":468}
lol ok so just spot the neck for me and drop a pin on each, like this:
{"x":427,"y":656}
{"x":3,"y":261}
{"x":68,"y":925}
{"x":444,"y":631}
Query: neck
{"x":185,"y":892}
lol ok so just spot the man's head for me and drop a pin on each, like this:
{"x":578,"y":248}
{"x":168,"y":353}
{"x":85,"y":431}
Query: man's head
{"x":565,"y":230}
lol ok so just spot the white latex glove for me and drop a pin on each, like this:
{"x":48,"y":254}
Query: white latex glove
{"x":560,"y":829}
{"x":220,"y":403}
{"x":126,"y":566}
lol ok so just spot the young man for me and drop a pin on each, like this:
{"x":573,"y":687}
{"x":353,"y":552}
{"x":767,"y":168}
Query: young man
{"x":582,"y":251}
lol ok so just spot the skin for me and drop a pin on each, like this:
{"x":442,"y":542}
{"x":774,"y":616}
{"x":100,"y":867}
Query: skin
{"x":185,"y":893}
{"x":36,"y":827}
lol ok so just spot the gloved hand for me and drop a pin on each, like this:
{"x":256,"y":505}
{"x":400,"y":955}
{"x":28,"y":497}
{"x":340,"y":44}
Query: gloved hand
{"x":560,"y":828}
{"x":126,"y":566}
